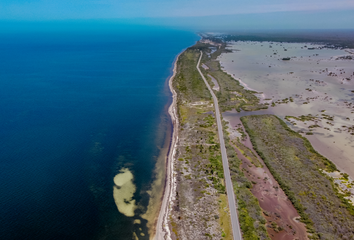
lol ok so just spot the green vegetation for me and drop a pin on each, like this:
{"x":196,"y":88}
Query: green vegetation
{"x":200,"y":195}
{"x":283,"y":101}
{"x":231,"y":95}
{"x":200,"y":183}
{"x":335,"y":41}
{"x":250,"y":213}
{"x":200,"y":166}
{"x":188,"y":83}
{"x":297,"y":167}
{"x":303,"y":118}
{"x":234,"y":96}
{"x":224,"y":218}
{"x":208,"y":121}
{"x":290,"y":157}
{"x":243,"y":134}
{"x":247,"y":153}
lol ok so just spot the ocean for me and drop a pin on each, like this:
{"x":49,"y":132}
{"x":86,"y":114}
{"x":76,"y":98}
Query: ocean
{"x":78,"y":108}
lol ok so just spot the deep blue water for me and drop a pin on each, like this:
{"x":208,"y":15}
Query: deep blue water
{"x":74,"y":109}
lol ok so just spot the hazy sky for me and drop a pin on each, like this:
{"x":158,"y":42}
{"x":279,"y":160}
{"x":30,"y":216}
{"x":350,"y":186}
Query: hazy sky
{"x":290,"y":10}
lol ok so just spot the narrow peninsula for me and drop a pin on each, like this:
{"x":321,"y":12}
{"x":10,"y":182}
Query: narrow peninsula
{"x":284,"y":188}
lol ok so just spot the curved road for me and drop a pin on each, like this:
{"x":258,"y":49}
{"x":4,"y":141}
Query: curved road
{"x":229,"y":189}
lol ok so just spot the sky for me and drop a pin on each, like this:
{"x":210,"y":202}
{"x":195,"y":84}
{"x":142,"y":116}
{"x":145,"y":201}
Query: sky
{"x":188,"y":13}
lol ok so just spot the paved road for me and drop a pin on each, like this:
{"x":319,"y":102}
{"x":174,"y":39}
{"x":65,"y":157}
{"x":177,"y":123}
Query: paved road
{"x":229,"y":189}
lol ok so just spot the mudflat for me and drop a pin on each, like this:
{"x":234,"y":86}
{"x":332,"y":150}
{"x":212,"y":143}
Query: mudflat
{"x":308,"y":85}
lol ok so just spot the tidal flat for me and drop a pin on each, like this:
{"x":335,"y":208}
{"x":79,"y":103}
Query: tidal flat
{"x":308,"y":85}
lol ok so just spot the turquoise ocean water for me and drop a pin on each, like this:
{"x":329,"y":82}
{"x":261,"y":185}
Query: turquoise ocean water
{"x":76,"y":107}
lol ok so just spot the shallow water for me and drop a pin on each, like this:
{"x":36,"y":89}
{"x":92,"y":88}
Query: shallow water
{"x":314,"y":77}
{"x":76,"y":110}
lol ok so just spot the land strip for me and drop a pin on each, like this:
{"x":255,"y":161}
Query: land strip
{"x":232,"y":95}
{"x":278,"y":211}
{"x":229,"y":189}
{"x":196,"y":206}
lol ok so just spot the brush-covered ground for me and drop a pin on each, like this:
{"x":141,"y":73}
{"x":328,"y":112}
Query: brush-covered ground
{"x":255,"y":222}
{"x":298,"y":169}
{"x":200,"y":209}
{"x":231,"y":95}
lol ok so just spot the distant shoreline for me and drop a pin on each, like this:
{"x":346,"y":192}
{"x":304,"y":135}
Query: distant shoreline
{"x":331,"y":38}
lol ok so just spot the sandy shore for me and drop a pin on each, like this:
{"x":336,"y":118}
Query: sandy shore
{"x":162,"y":228}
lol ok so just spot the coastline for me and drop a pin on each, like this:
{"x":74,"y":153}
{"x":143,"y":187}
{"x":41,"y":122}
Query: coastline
{"x":189,"y":188}
{"x":162,"y":228}
{"x":171,"y":219}
{"x":261,"y":95}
